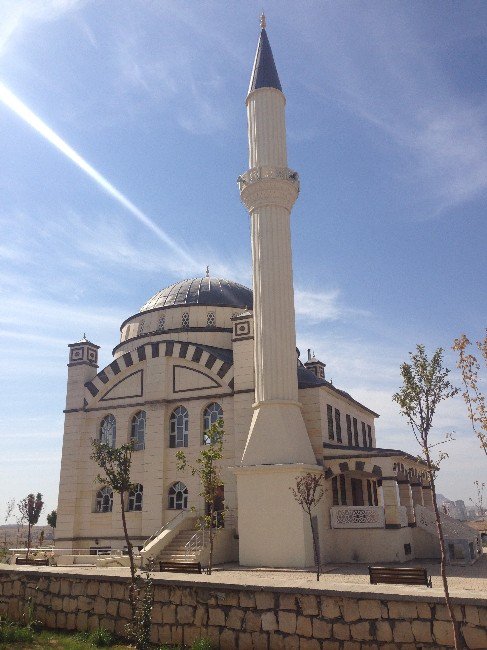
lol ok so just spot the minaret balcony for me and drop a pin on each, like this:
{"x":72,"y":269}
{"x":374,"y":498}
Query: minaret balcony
{"x":267,"y":173}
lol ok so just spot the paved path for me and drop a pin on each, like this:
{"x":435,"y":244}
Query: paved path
{"x":464,"y":581}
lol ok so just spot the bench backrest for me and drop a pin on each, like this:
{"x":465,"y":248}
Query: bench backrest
{"x":399,"y":575}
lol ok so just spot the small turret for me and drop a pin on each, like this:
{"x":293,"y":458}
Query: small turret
{"x":82,"y":366}
{"x":316,"y":366}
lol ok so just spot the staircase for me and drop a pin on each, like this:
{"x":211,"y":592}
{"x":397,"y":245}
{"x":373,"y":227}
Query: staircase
{"x":463,"y":544}
{"x":176,"y":550}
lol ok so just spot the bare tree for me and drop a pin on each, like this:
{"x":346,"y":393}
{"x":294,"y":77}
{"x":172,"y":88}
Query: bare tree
{"x":425,"y":386}
{"x":308,"y":493}
{"x":478,"y":502}
{"x":8,"y":513}
{"x":474,"y":398}
{"x":30,"y":509}
{"x":208,"y":470}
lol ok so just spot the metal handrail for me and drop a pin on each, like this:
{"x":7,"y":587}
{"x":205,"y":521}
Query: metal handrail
{"x":195,"y":543}
{"x":162,"y":529}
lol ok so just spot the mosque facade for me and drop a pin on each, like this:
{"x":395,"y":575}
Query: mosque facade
{"x":208,"y":348}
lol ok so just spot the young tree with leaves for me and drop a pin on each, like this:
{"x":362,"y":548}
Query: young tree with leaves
{"x":474,"y":398}
{"x":30,"y":509}
{"x":116,"y":463}
{"x":425,"y":385}
{"x":52,"y":520}
{"x":478,"y":502}
{"x":208,"y":470}
{"x":308,"y":493}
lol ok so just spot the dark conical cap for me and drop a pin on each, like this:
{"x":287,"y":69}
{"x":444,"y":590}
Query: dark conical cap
{"x":264,"y":73}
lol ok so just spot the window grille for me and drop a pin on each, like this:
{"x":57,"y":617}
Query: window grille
{"x":108,"y":430}
{"x":364,"y":434}
{"x":212,"y":413}
{"x":338,"y":425}
{"x":343,"y":490}
{"x":185,"y":320}
{"x":141,"y":327}
{"x":161,"y":324}
{"x":210,"y":319}
{"x":104,"y":500}
{"x":349,"y":430}
{"x":178,"y":496}
{"x":334,"y":489}
{"x":136,"y":497}
{"x":355,"y":434}
{"x":331,"y":433}
{"x":178,"y":427}
{"x":369,"y":434}
{"x":138,"y":430}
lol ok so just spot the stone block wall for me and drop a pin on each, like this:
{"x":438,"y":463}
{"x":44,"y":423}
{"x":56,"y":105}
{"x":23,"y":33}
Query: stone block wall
{"x":245,"y":617}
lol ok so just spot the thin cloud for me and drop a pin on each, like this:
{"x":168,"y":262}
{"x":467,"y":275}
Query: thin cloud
{"x":320,"y":306}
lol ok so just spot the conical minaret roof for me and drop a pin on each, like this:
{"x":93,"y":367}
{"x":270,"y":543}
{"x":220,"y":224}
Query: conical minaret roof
{"x":264,"y":73}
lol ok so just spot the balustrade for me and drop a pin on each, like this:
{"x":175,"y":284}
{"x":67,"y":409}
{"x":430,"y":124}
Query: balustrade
{"x":357,"y":517}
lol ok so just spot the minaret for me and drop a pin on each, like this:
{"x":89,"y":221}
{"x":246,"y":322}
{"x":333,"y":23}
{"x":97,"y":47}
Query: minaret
{"x":278,"y":448}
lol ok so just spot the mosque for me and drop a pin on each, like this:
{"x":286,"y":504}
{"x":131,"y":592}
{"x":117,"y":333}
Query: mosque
{"x":209,"y":348}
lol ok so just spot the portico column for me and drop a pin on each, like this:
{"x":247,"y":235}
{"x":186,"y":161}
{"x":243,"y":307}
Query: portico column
{"x":390,"y":493}
{"x":406,"y":498}
{"x":417,"y":494}
{"x":428,"y":497}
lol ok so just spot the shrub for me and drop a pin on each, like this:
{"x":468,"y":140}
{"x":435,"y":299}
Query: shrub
{"x":12,"y":633}
{"x":101,"y":638}
{"x":201,"y":644}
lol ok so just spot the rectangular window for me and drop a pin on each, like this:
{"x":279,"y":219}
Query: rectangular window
{"x":375,"y":495}
{"x":343,"y":490}
{"x":338,"y":425}
{"x":355,"y":432}
{"x":334,"y":489}
{"x":357,"y":492}
{"x":349,"y":430}
{"x":369,"y":434}
{"x":369,"y":493}
{"x":364,"y":434}
{"x":331,"y":433}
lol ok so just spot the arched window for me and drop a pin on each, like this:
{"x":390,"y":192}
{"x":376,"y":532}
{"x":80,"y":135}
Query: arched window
{"x":136,"y":497}
{"x":108,"y":430}
{"x":212,"y":413}
{"x":104,"y":500}
{"x":178,"y":427}
{"x":178,"y":496}
{"x":138,"y":430}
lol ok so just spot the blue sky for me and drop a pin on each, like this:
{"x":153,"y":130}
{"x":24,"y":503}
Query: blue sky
{"x":387,"y":126}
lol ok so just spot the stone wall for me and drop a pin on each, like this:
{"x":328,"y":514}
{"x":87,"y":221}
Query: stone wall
{"x":245,"y":617}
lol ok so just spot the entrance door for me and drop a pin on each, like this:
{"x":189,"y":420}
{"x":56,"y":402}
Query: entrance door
{"x":357,"y":492}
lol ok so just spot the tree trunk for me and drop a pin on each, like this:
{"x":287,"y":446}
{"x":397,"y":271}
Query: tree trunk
{"x":132,"y":587}
{"x":457,"y":637}
{"x":28,"y":541}
{"x":212,"y":514}
{"x":315,"y":547}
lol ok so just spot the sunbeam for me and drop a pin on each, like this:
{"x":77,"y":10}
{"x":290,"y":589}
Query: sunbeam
{"x":20,"y":109}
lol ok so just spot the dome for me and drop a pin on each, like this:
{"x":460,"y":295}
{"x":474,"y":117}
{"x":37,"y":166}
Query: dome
{"x":213,"y":292}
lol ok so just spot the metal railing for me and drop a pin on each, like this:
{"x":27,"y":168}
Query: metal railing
{"x":180,"y":514}
{"x":196,"y":543}
{"x":266,"y":172}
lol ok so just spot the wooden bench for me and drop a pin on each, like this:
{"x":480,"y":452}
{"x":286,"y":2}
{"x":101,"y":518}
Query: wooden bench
{"x":413,"y":575}
{"x":32,"y":561}
{"x":181,"y":567}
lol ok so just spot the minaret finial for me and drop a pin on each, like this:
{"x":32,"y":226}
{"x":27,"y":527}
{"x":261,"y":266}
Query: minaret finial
{"x":207,"y":271}
{"x":262,"y":20}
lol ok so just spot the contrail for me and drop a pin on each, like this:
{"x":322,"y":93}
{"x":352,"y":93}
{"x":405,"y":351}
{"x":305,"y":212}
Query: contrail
{"x":20,"y":109}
